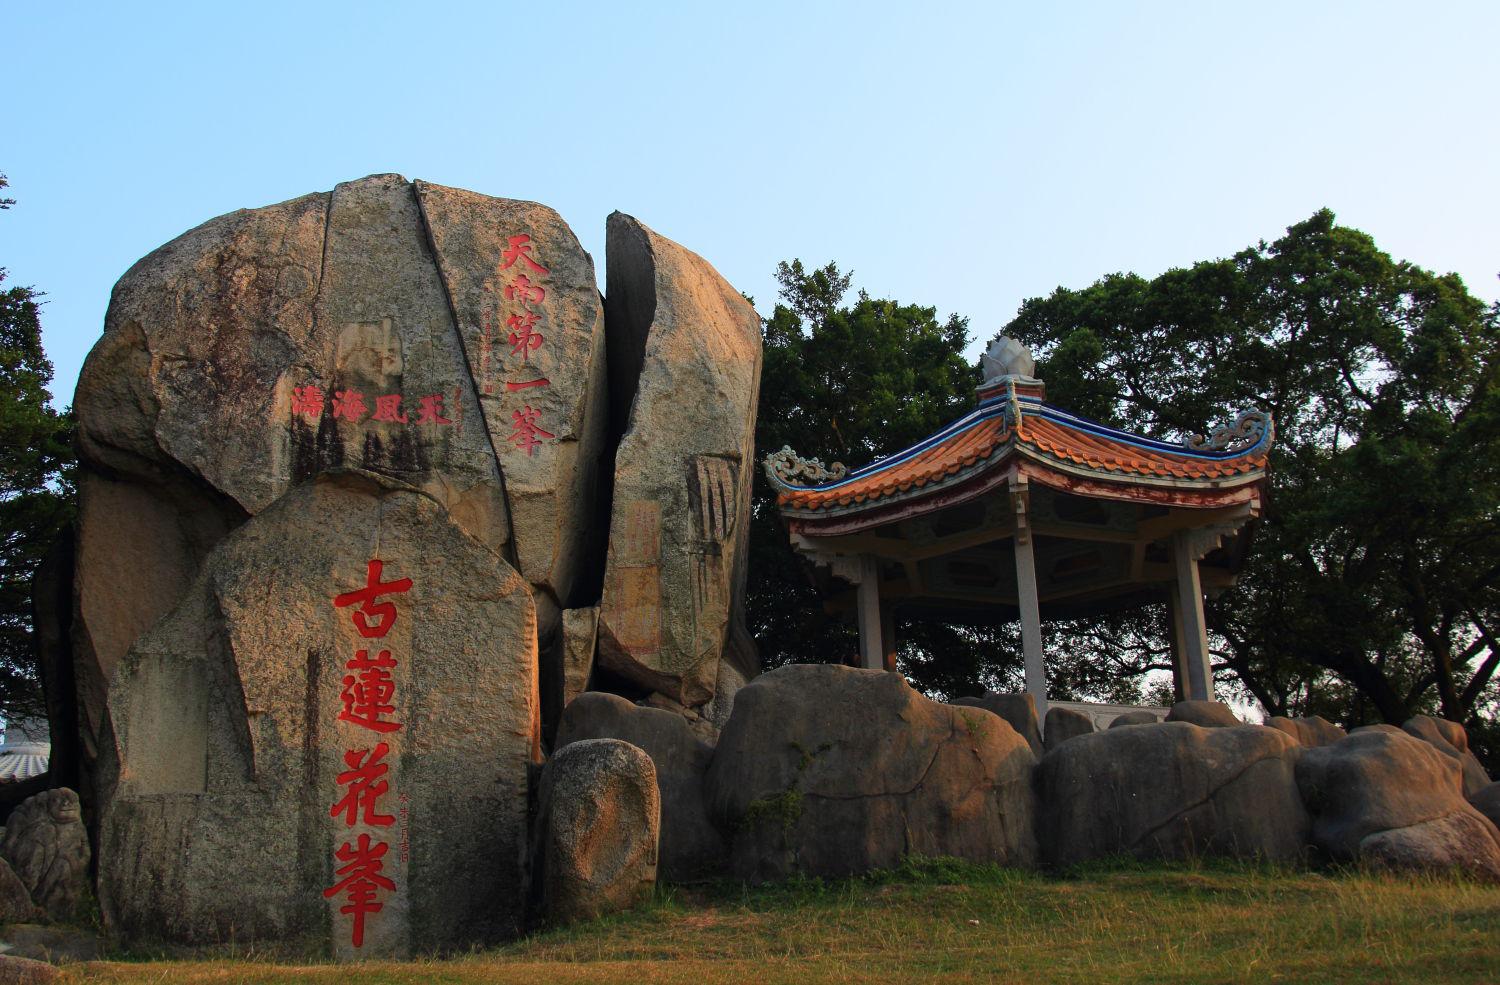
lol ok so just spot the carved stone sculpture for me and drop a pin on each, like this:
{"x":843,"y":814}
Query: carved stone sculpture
{"x":45,"y":843}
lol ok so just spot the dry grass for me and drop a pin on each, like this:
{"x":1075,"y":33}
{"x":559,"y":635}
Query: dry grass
{"x":947,"y":922}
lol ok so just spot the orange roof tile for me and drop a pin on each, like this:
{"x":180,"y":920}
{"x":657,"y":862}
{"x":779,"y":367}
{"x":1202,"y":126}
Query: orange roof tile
{"x":1046,"y":434}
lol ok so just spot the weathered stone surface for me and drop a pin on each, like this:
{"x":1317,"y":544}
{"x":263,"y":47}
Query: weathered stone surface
{"x":550,"y":485}
{"x":1172,"y":790}
{"x":271,"y":344}
{"x":1450,"y":739}
{"x":47,"y":847}
{"x":54,"y":943}
{"x":1018,"y":710}
{"x":1064,"y":724}
{"x":598,"y":821}
{"x":691,"y":846}
{"x":831,"y":770}
{"x":580,"y":629}
{"x":1384,"y":797}
{"x":229,"y":736}
{"x":15,"y":898}
{"x":1487,"y":802}
{"x":25,"y":971}
{"x":1310,"y":732}
{"x":684,"y":353}
{"x":1209,"y":714}
{"x":1134,"y":718}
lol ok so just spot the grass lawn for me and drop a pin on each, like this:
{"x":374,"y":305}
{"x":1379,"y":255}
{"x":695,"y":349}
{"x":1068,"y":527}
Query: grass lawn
{"x":950,"y":922}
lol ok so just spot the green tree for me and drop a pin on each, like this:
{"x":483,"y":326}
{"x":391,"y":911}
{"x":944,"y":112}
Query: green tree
{"x":845,"y":382}
{"x":36,"y":491}
{"x":1373,"y":588}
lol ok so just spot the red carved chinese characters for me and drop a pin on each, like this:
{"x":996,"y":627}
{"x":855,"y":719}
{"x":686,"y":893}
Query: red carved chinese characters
{"x":385,"y":612}
{"x":526,"y":434}
{"x":522,"y":291}
{"x":307,"y":401}
{"x":360,"y":880}
{"x":348,"y":404}
{"x":368,"y":701}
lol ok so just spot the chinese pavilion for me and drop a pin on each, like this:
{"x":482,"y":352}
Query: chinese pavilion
{"x":1022,"y":509}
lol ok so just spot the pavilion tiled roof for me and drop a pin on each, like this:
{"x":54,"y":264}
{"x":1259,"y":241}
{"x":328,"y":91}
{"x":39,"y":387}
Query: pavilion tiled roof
{"x":1006,"y":425}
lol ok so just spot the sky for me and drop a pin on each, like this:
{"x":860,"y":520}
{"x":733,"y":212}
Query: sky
{"x":965,"y":156}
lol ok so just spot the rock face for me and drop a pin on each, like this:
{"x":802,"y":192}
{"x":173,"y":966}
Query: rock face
{"x":383,"y":326}
{"x":47,"y":847}
{"x":344,"y":702}
{"x":685,"y":355}
{"x":1311,"y":732}
{"x":1172,"y":790}
{"x":1019,"y":712}
{"x":1064,"y":724}
{"x":1450,"y":739}
{"x":1209,"y":714}
{"x":1487,"y":802}
{"x":691,"y":847}
{"x":598,"y":819}
{"x":15,"y":898}
{"x":1383,"y":797}
{"x":832,"y":770}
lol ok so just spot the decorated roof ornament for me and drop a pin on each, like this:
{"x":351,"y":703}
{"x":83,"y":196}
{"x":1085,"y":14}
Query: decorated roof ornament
{"x":1250,"y":427}
{"x":1006,"y":358}
{"x":787,"y":468}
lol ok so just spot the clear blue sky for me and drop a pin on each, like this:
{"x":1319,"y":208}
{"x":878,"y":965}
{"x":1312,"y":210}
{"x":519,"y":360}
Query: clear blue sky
{"x":966,"y":156}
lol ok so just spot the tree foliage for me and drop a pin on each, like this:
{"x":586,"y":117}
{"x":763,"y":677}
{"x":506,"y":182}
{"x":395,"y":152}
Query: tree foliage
{"x":36,"y":496}
{"x":845,"y":382}
{"x":1373,"y":589}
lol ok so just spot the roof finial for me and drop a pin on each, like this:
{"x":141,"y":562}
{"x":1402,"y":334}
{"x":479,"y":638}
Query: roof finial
{"x":1007,"y":358}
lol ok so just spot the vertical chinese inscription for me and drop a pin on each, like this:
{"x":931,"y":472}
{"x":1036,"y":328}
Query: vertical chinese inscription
{"x":367,"y":701}
{"x":523,"y":299}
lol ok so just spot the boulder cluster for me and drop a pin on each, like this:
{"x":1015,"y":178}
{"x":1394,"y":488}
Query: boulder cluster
{"x":830,"y":770}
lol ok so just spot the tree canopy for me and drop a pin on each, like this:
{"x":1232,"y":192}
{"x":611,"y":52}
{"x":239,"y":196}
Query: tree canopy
{"x":1373,"y":590}
{"x":36,"y":501}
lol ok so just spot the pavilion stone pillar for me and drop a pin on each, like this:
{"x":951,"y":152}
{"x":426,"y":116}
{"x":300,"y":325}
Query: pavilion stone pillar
{"x":1190,"y":631}
{"x":871,"y":637}
{"x":1026,"y":600}
{"x":888,"y":636}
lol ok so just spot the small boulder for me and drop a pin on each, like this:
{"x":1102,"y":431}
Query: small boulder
{"x":691,"y":846}
{"x":831,"y":770}
{"x":598,"y":821}
{"x":24,"y":971}
{"x":1017,"y":709}
{"x":1135,"y":718}
{"x":1209,"y":714}
{"x":1450,"y":739}
{"x":1064,"y":724}
{"x":45,"y":843}
{"x":1172,"y":790}
{"x":1310,"y":732}
{"x":1384,"y":797}
{"x":15,"y":900}
{"x":1487,"y":802}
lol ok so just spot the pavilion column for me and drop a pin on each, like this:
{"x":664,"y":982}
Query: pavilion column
{"x":1179,"y":645}
{"x":888,"y":636}
{"x":1031,"y":613}
{"x":871,"y":637}
{"x":1192,"y":636}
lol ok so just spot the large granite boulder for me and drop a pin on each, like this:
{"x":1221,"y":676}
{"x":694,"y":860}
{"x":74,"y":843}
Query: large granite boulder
{"x":831,"y":770}
{"x":1450,"y":739}
{"x":1311,"y":731}
{"x":1018,"y":710}
{"x":1129,"y":718}
{"x":1487,"y":802}
{"x":1172,"y":790}
{"x":685,"y":356}
{"x":1064,"y":724}
{"x":1208,"y":714}
{"x":330,"y":735}
{"x":368,"y":327}
{"x":15,"y":898}
{"x":598,"y":821}
{"x":48,"y":848}
{"x":691,"y":847}
{"x":1383,"y":797}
